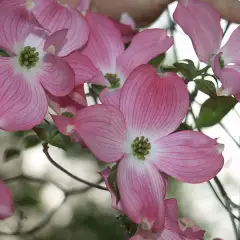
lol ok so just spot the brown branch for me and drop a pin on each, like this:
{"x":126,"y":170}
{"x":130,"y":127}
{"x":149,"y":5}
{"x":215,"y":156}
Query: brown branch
{"x":45,"y":150}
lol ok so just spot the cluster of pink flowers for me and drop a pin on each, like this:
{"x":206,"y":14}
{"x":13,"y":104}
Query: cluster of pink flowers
{"x":54,"y":49}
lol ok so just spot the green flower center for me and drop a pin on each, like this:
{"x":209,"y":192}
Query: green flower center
{"x":113,"y":79}
{"x":68,"y":114}
{"x":221,"y":62}
{"x":28,"y":57}
{"x":141,"y":147}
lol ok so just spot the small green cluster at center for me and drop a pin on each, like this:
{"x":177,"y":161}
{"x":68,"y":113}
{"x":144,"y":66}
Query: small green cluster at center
{"x":113,"y":79}
{"x":68,"y":114}
{"x":141,"y":147}
{"x":28,"y":57}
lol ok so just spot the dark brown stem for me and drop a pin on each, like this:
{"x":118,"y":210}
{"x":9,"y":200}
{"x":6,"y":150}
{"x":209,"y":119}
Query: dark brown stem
{"x":45,"y":150}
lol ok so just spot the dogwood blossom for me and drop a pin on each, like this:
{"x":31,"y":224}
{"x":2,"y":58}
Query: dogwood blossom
{"x":104,"y":61}
{"x":32,"y":66}
{"x":138,"y":136}
{"x":201,"y":22}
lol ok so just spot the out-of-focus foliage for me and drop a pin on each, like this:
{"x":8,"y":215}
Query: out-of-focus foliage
{"x":89,"y":224}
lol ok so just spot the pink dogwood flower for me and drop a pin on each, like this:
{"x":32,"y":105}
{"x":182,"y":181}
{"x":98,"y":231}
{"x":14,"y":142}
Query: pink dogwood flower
{"x":190,"y":230}
{"x":171,"y":231}
{"x":105,"y":173}
{"x":174,"y":228}
{"x":6,"y":202}
{"x":32,"y":66}
{"x":66,"y":109}
{"x":109,"y":176}
{"x":137,"y":134}
{"x":201,"y":22}
{"x":56,"y":15}
{"x":105,"y":62}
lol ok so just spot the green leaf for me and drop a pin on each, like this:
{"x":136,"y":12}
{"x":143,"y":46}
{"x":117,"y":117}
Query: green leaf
{"x":75,"y":149}
{"x":183,"y":126}
{"x":31,"y":141}
{"x":206,"y":87}
{"x":158,"y":60}
{"x":188,"y":69}
{"x":46,"y":132}
{"x":214,"y":109}
{"x":50,"y":134}
{"x":203,"y":70}
{"x":60,"y":141}
{"x":11,"y":153}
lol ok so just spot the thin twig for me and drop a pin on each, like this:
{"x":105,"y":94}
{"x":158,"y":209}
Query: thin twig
{"x":226,"y":28}
{"x":220,"y":200}
{"x":47,"y":219}
{"x":232,"y":218}
{"x":220,"y":187}
{"x":46,"y":121}
{"x":216,"y":194}
{"x":229,"y":134}
{"x":239,"y":217}
{"x":45,"y":150}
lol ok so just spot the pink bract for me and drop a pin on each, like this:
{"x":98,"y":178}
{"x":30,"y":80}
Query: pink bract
{"x":105,"y":174}
{"x":127,"y":27}
{"x":172,"y":230}
{"x":151,"y":108}
{"x":201,"y":22}
{"x":54,"y":16}
{"x":104,"y":61}
{"x":190,"y":230}
{"x":66,"y":108}
{"x":31,"y":67}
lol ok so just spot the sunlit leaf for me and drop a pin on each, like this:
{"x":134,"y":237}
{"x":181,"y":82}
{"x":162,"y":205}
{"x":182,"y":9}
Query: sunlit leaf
{"x":206,"y":87}
{"x":214,"y":109}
